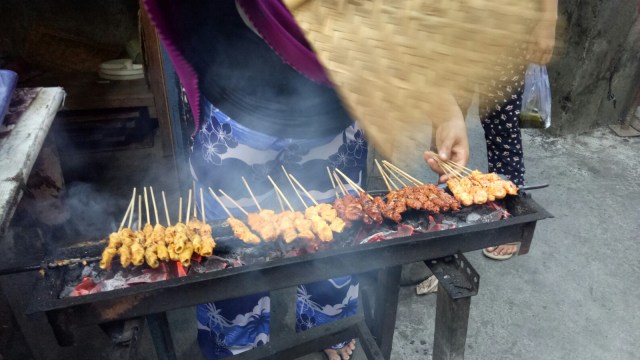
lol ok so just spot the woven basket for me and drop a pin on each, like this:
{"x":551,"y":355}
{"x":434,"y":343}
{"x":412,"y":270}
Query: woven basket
{"x":392,"y":59}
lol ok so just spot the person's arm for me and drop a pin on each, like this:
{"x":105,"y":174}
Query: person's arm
{"x":450,"y":137}
{"x":543,"y":37}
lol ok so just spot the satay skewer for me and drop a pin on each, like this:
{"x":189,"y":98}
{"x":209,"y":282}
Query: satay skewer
{"x":195,"y":213}
{"x":129,"y":209}
{"x":139,"y":212}
{"x":146,"y":205}
{"x":188,"y":207}
{"x":288,"y":176}
{"x":355,"y":186}
{"x":393,"y":173}
{"x":333,"y":183}
{"x":234,"y":202}
{"x":155,"y":207}
{"x":221,"y":203}
{"x":180,"y":210}
{"x":340,"y":184}
{"x":240,"y":230}
{"x":403,"y":173}
{"x":204,"y":217}
{"x":166,"y":209}
{"x":251,"y":193}
{"x":384,"y":176}
{"x":280,"y":192}
{"x":394,"y":186}
{"x":303,"y":189}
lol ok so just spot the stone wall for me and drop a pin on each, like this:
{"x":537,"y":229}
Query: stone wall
{"x":600,"y":40}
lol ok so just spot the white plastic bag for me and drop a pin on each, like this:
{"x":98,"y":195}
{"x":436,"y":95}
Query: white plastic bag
{"x":536,"y":99}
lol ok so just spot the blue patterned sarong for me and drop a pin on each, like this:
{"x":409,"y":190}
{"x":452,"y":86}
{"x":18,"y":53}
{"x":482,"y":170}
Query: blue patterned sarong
{"x":223,"y":147}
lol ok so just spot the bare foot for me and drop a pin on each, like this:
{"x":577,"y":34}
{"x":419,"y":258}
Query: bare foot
{"x":507,"y":249}
{"x":343,"y":353}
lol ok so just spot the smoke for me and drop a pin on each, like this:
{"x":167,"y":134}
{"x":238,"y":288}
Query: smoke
{"x":95,"y":212}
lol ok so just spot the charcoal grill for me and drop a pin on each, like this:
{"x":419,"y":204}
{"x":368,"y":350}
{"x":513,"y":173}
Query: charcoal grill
{"x":385,"y":258}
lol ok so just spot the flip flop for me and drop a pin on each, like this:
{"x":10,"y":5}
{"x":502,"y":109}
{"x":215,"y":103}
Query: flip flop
{"x":428,"y":286}
{"x":491,"y":255}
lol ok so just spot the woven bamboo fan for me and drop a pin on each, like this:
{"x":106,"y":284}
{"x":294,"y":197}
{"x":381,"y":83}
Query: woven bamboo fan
{"x":390,"y":59}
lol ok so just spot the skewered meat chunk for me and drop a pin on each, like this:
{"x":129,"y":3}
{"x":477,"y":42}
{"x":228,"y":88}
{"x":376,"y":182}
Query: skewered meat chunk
{"x":125,"y":255}
{"x":151,"y":256}
{"x":286,"y":226}
{"x":157,"y":236}
{"x":147,"y":231}
{"x":127,"y":236}
{"x":114,"y":240}
{"x":137,"y":250}
{"x":242,"y":232}
{"x":303,"y":226}
{"x":263,"y":224}
{"x":185,"y":255}
{"x":321,"y":228}
{"x":182,"y":237}
{"x":369,"y":208}
{"x":107,"y":256}
{"x":170,"y":235}
{"x":163,"y":253}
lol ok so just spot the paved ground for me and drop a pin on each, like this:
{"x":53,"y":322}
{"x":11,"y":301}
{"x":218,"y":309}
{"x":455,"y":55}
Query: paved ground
{"x":576,"y":294}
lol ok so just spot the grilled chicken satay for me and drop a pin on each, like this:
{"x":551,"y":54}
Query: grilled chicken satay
{"x":242,"y":232}
{"x":125,"y":255}
{"x":263,"y":224}
{"x":181,"y":238}
{"x":303,"y":227}
{"x":107,"y":256}
{"x":151,"y":256}
{"x":286,"y":226}
{"x":115,"y":240}
{"x":147,"y":230}
{"x":137,"y":250}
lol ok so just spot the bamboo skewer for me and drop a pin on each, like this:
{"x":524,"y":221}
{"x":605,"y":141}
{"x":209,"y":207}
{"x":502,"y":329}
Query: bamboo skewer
{"x":146,"y":205}
{"x":234,"y":202}
{"x":333,"y":183}
{"x":188,"y":208}
{"x":133,"y":209}
{"x":303,"y":189}
{"x":392,"y":173}
{"x":166,"y":210}
{"x":355,"y":186}
{"x":204,"y":217}
{"x":280,"y":192}
{"x":340,"y":184}
{"x":180,"y":211}
{"x":251,"y":193}
{"x":294,"y":187}
{"x":384,"y":176}
{"x":155,"y":207}
{"x":129,"y":209}
{"x":280,"y":201}
{"x":403,"y":173}
{"x":139,"y":212}
{"x":221,"y":203}
{"x":195,"y":214}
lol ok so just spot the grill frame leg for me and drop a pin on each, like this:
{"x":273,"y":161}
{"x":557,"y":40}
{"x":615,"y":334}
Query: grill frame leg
{"x":161,"y":335}
{"x":458,"y":281}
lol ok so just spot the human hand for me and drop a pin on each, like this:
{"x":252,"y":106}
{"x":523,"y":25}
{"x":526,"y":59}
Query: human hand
{"x":542,"y":42}
{"x":452,"y":144}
